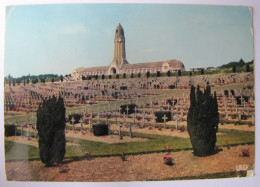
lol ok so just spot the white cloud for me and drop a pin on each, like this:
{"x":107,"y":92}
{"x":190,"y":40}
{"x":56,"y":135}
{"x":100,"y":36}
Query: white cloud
{"x":74,"y":29}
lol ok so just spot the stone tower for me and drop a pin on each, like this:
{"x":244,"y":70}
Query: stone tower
{"x":119,"y":51}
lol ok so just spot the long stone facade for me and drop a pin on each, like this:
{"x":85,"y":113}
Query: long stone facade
{"x":120,"y":65}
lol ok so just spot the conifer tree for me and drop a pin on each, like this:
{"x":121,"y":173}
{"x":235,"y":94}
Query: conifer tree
{"x":51,"y":126}
{"x":202,"y":122}
{"x":247,"y":68}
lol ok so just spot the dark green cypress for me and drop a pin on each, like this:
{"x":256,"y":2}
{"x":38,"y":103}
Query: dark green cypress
{"x":202,"y":122}
{"x":51,"y":126}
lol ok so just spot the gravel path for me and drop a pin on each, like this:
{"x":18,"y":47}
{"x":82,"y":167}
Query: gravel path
{"x":136,"y":168}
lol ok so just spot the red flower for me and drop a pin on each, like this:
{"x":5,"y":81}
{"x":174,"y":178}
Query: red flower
{"x":226,"y":141}
{"x":167,"y":158}
{"x":88,"y":153}
{"x":55,"y":164}
{"x":168,"y":147}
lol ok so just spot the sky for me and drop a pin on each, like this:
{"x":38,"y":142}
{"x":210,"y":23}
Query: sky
{"x":42,"y":39}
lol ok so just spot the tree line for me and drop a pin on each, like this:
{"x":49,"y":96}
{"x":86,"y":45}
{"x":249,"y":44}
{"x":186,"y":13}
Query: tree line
{"x":34,"y":79}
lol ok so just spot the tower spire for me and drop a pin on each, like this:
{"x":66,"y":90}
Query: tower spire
{"x":119,"y":50}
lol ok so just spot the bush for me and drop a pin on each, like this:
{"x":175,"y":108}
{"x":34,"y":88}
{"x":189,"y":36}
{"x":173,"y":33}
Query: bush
{"x":123,"y":87}
{"x":226,"y":92}
{"x":170,"y":101}
{"x":202,"y":122}
{"x":76,"y":117}
{"x":160,"y":115}
{"x":130,"y":106}
{"x":172,"y":86}
{"x":100,"y":129}
{"x":10,"y":130}
{"x":246,"y":98}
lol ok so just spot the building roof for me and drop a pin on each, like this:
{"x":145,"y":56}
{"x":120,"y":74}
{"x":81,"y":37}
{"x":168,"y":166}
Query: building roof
{"x":172,"y":63}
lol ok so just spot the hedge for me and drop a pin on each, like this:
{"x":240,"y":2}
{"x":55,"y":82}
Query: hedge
{"x":130,"y":106}
{"x":76,"y":117}
{"x":160,"y":115}
{"x":10,"y":130}
{"x":100,"y":129}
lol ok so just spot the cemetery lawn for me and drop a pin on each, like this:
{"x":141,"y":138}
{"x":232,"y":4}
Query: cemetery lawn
{"x":155,"y":143}
{"x":19,"y":151}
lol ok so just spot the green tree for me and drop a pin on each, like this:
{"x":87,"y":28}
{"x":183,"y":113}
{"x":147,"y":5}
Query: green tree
{"x":179,"y":72}
{"x":61,"y":78}
{"x":202,"y":122}
{"x":202,"y":71}
{"x":158,"y":74}
{"x":139,"y":75}
{"x":247,"y":68}
{"x":51,"y":126}
{"x":168,"y":73}
{"x":234,"y":69}
{"x":148,"y":74}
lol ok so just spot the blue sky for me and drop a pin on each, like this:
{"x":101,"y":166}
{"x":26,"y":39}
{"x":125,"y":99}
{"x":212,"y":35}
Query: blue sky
{"x":43,"y":39}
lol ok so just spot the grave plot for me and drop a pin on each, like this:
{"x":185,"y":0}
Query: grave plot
{"x":89,"y":92}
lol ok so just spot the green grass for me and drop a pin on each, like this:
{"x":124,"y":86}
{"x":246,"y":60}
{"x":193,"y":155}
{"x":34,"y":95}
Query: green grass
{"x":235,"y":137}
{"x":19,"y":151}
{"x":155,"y":143}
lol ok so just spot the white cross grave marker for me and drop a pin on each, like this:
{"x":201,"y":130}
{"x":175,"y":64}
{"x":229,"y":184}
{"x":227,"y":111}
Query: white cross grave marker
{"x":73,"y":120}
{"x":164,"y":120}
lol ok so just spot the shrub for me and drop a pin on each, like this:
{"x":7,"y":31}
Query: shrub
{"x":245,"y":152}
{"x":170,"y":101}
{"x":172,"y":86}
{"x":100,"y":129}
{"x":130,"y":106}
{"x":10,"y":130}
{"x":123,"y":87}
{"x":76,"y":117}
{"x":160,"y":115}
{"x":51,"y":126}
{"x":226,"y":92}
{"x":122,"y":156}
{"x":202,"y":122}
{"x":168,"y":160}
{"x":246,"y":98}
